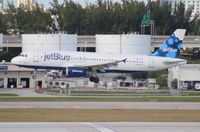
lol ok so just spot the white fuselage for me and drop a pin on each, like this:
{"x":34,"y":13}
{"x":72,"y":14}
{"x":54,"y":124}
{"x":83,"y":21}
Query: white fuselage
{"x":64,"y":59}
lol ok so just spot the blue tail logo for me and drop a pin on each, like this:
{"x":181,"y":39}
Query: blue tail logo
{"x":172,"y":46}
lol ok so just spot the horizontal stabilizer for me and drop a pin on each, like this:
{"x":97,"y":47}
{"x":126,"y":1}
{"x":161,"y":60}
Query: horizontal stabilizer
{"x":176,"y":62}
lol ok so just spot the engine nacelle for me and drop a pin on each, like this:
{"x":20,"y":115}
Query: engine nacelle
{"x":76,"y":72}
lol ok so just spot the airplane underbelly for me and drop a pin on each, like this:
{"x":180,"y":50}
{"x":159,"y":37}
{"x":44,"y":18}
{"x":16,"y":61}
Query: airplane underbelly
{"x":129,"y":68}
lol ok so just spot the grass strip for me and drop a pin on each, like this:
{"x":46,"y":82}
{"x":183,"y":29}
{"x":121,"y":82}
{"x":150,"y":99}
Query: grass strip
{"x":125,"y":92}
{"x":7,"y":94}
{"x":97,"y":115}
{"x":103,"y":99}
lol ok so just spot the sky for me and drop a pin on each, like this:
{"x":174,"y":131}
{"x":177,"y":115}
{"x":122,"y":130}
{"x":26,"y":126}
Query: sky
{"x":46,"y":2}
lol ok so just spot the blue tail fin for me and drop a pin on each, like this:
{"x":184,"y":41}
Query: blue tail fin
{"x":172,"y":46}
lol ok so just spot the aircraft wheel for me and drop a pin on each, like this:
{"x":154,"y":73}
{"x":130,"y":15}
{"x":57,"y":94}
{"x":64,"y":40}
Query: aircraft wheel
{"x":34,"y":76}
{"x":96,"y":80}
{"x":92,"y":79}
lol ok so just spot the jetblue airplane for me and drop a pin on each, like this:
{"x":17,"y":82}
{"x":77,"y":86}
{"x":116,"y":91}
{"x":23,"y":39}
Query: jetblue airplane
{"x":164,"y":57}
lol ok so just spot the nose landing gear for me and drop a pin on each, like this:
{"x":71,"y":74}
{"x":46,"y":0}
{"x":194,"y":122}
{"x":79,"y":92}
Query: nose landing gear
{"x":34,"y":76}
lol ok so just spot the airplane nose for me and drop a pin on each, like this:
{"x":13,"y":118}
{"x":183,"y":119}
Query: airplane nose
{"x":13,"y":61}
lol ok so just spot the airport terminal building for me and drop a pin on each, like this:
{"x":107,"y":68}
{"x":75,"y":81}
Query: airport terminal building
{"x":15,"y":77}
{"x":187,"y":76}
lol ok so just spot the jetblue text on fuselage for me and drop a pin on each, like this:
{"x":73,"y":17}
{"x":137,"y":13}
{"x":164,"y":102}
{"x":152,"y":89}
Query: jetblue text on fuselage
{"x":169,"y":49}
{"x":56,"y":56}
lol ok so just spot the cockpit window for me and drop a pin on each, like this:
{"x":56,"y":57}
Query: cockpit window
{"x":23,"y":55}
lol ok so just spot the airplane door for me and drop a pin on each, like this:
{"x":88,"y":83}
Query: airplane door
{"x":35,"y":54}
{"x":151,"y":62}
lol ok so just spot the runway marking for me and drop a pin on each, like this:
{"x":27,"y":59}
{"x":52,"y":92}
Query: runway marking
{"x":76,"y":107}
{"x":179,"y":107}
{"x":99,"y":127}
{"x":24,"y":106}
{"x":129,"y":107}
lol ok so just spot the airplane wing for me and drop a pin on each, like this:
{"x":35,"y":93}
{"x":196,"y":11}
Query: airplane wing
{"x":102,"y":66}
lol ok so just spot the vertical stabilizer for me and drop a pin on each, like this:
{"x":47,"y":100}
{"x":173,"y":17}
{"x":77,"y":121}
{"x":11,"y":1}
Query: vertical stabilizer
{"x":172,"y":46}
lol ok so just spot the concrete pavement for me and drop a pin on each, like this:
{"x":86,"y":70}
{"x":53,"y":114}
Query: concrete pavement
{"x":29,"y":92}
{"x":99,"y":127}
{"x":102,"y":105}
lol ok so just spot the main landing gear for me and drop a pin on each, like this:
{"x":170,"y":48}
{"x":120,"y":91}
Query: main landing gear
{"x":93,"y":76}
{"x":94,"y":79}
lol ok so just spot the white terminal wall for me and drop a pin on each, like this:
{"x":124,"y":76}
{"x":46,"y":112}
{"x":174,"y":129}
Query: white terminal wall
{"x":188,"y":72}
{"x":108,"y":44}
{"x":48,"y":42}
{"x":1,"y":40}
{"x":123,"y":44}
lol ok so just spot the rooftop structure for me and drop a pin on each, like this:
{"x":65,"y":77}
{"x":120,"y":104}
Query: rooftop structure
{"x":29,"y":3}
{"x":188,"y":3}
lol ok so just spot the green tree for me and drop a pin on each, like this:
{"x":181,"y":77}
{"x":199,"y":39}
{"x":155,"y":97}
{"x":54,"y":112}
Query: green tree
{"x":11,"y":13}
{"x":181,"y":17}
{"x":100,"y":17}
{"x":22,"y":16}
{"x":161,"y":78}
{"x":7,"y":56}
{"x":118,"y":18}
{"x":3,"y":23}
{"x":162,"y":16}
{"x":73,"y":15}
{"x":26,"y":19}
{"x":133,"y":14}
{"x":40,"y":20}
